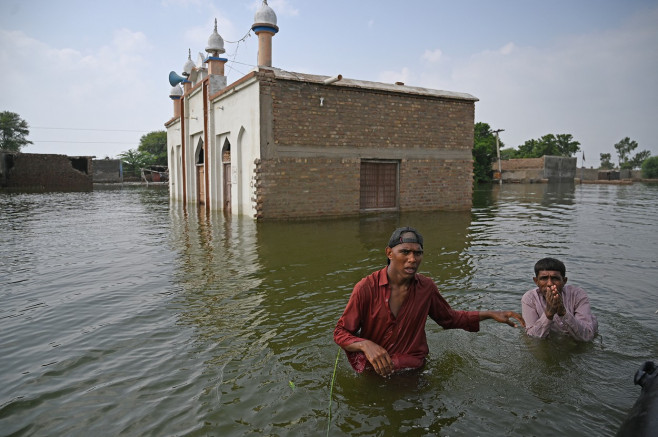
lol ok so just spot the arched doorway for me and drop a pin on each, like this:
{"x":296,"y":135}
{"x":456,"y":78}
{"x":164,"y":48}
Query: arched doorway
{"x":200,"y":173}
{"x":226,"y":171}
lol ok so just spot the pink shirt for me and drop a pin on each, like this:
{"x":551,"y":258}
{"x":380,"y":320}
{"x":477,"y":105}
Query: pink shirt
{"x":368,"y":316}
{"x":578,"y":322}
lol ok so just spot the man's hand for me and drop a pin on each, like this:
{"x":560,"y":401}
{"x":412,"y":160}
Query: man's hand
{"x":554,"y":303}
{"x":503,"y":317}
{"x":377,"y":355}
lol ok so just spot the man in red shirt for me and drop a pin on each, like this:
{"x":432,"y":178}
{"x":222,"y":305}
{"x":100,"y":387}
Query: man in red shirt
{"x":383,"y":325}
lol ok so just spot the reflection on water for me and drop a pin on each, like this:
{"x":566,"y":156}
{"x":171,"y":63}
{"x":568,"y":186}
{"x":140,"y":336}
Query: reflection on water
{"x":123,"y":314}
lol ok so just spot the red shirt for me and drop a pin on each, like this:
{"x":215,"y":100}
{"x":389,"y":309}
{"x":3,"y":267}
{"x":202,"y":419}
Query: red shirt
{"x":368,"y":316}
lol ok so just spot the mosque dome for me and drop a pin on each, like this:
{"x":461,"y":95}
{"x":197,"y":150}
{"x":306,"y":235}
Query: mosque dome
{"x":189,"y":65}
{"x":215,"y":42}
{"x":265,"y":16}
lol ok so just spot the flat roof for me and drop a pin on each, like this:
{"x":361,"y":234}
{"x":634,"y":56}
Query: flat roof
{"x":364,"y":84}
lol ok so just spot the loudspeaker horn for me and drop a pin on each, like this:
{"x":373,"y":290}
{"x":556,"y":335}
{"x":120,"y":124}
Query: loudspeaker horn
{"x":175,"y":79}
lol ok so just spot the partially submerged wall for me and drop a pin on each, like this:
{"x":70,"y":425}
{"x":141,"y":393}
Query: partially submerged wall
{"x":108,"y":170}
{"x":321,"y":135}
{"x":551,"y":168}
{"x":559,"y":168}
{"x":43,"y":172}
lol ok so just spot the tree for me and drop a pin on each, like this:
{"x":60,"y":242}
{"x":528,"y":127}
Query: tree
{"x":528,"y":149}
{"x":638,"y":159}
{"x":154,"y":147}
{"x":13,"y":131}
{"x":566,"y":145}
{"x":484,"y":152}
{"x":509,"y":153}
{"x":134,"y":160}
{"x":554,"y":145}
{"x":606,"y":164}
{"x":650,"y":168}
{"x":624,"y":149}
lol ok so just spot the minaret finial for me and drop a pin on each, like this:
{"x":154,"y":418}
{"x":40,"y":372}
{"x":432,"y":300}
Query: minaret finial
{"x":215,"y":24}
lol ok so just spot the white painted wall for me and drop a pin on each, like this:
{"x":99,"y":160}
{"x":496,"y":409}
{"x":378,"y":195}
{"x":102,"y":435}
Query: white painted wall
{"x":239,"y":122}
{"x":194,"y":131}
{"x":233,"y":116}
{"x":174,"y":161}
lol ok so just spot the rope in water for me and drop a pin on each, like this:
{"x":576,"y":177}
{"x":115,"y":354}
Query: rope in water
{"x":331,"y":390}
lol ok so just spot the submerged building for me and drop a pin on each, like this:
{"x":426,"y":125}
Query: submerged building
{"x":277,"y":144}
{"x":40,"y":172}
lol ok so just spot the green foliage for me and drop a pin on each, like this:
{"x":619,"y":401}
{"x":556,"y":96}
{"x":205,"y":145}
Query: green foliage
{"x":13,"y":131}
{"x":484,"y":152}
{"x":509,"y":153}
{"x":650,"y":168}
{"x":152,"y":150}
{"x":638,"y":159}
{"x":606,"y":164}
{"x":154,"y":147}
{"x":134,"y":160}
{"x":566,"y":145}
{"x":553,"y":145}
{"x":624,"y":149}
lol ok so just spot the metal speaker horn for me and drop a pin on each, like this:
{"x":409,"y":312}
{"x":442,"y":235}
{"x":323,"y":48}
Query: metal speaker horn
{"x":175,"y":79}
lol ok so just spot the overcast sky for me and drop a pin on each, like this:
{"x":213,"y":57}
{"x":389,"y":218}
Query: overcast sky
{"x":90,"y":78}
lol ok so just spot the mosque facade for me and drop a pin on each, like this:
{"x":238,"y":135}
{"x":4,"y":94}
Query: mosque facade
{"x":281,"y":145}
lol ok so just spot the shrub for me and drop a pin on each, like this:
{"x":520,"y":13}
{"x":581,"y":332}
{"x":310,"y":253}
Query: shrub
{"x":650,"y":168}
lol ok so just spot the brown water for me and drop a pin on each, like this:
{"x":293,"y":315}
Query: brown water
{"x":123,"y":315}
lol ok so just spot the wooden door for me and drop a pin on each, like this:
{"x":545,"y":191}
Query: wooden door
{"x":227,"y":187}
{"x":201,"y":184}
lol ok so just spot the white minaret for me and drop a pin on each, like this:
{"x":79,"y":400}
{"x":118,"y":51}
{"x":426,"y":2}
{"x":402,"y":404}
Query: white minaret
{"x":216,"y":75}
{"x":187,"y":70}
{"x":176,"y":95}
{"x":265,"y":27}
{"x":214,"y":49}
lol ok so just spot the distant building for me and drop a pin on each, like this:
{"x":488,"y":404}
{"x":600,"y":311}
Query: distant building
{"x":544,"y":169}
{"x":278,"y":144}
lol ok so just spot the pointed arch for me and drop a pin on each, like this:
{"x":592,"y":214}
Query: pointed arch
{"x":199,"y":157}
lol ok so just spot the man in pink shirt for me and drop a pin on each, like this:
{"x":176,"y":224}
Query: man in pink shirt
{"x":383,"y":325}
{"x":554,"y":307}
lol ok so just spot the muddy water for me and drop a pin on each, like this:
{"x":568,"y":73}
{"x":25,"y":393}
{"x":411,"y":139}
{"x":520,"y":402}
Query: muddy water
{"x":123,"y":315}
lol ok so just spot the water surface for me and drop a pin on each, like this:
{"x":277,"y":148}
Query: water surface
{"x":123,"y":315}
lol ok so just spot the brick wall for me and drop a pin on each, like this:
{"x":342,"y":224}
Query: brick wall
{"x":520,"y":164}
{"x":302,"y":187}
{"x":44,"y":172}
{"x":361,"y":119}
{"x":427,"y":185}
{"x":312,"y":167}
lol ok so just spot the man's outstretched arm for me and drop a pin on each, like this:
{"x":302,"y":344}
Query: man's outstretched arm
{"x":503,"y":317}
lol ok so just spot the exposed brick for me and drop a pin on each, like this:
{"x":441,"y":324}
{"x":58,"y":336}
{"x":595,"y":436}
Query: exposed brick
{"x":361,"y":119}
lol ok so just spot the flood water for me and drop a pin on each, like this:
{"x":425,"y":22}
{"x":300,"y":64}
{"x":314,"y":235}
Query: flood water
{"x":123,"y":315}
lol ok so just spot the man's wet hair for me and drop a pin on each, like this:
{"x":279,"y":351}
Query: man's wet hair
{"x":550,"y":264}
